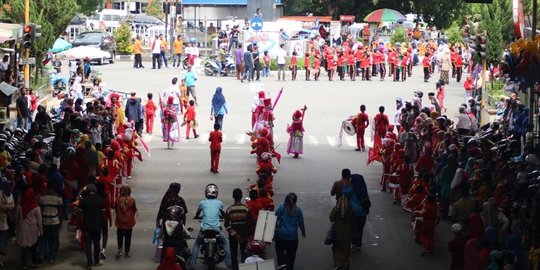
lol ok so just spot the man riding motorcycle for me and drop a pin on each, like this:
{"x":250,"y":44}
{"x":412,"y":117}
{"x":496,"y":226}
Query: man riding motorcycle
{"x":212,"y":211}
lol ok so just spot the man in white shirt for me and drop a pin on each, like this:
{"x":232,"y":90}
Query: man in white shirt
{"x":156,"y":52}
{"x":281,"y":61}
{"x":173,"y":91}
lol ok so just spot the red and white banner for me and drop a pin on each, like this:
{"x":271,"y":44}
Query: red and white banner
{"x":519,"y":19}
{"x":346,"y":18}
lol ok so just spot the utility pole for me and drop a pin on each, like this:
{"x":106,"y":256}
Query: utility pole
{"x":26,"y":51}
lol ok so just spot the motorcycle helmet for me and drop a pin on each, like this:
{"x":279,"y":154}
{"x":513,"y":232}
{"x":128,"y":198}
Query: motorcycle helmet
{"x":70,"y":152}
{"x":176,"y":213}
{"x":19,"y":132}
{"x":456,"y":228}
{"x":211,"y":191}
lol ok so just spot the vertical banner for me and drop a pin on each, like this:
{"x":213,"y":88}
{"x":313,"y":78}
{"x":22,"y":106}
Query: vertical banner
{"x":519,"y":19}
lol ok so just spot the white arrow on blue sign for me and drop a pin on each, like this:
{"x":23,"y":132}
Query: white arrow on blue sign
{"x":256,"y":24}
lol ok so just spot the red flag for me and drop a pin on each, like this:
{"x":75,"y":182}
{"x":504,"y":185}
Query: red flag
{"x":373,"y":153}
{"x":145,"y":146}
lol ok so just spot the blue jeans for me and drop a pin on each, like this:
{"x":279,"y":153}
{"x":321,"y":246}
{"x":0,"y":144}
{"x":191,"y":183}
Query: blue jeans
{"x":266,"y":71}
{"x":177,"y":57}
{"x":197,"y":247}
{"x":163,"y":55}
{"x":49,"y":242}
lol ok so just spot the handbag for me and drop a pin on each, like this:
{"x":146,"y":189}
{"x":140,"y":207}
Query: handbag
{"x":330,"y":235}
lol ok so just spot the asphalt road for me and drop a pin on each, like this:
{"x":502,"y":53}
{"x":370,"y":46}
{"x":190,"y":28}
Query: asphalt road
{"x":388,"y":238}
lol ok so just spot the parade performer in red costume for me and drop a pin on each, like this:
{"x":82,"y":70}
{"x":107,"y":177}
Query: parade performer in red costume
{"x":296,"y":133}
{"x":360,"y":122}
{"x":381,"y":123}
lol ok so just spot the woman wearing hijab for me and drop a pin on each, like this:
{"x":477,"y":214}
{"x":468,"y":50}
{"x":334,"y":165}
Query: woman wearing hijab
{"x":397,"y":114}
{"x":29,"y":227}
{"x":171,"y":198}
{"x":6,"y":204}
{"x":43,"y":120}
{"x":219,"y":107}
{"x":473,"y":258}
{"x":169,"y":260}
{"x":169,"y":123}
{"x":445,"y":180}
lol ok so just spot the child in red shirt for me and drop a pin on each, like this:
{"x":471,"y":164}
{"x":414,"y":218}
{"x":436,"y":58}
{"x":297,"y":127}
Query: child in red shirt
{"x":330,"y":64}
{"x":149,"y":113}
{"x":340,"y":65}
{"x":294,"y":65}
{"x":426,"y":63}
{"x":189,"y":119}
{"x":317,"y":66}
{"x":215,"y":148}
{"x":307,"y":65}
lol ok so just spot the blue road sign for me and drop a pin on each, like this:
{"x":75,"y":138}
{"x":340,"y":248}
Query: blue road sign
{"x":256,"y":24}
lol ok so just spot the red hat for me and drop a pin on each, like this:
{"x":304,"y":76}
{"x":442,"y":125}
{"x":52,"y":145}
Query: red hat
{"x":170,"y":100}
{"x":267,"y":102}
{"x":409,"y":50}
{"x":261,"y":95}
{"x":297,"y":114}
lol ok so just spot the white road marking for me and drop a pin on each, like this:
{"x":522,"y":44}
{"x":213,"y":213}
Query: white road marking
{"x":313,"y":140}
{"x":201,"y":138}
{"x":350,"y":141}
{"x":331,"y":140}
{"x":241,"y":138}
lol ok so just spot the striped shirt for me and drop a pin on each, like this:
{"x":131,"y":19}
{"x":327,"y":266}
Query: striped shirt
{"x":50,"y":205}
{"x":237,"y":218}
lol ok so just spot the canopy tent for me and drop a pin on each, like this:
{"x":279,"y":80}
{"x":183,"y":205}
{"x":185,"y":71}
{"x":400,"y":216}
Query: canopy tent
{"x":9,"y":31}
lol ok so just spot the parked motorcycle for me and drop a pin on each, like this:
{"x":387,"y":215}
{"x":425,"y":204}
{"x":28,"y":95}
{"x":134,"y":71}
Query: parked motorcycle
{"x":213,"y":67}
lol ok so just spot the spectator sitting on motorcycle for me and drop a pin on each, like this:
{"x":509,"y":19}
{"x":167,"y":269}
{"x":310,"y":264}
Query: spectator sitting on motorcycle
{"x":212,"y":210}
{"x":175,"y":234}
{"x":222,"y":56}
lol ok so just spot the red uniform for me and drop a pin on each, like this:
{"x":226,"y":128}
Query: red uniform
{"x":429,"y":213}
{"x":149,"y":113}
{"x":215,"y":149}
{"x":189,"y":118}
{"x":361,"y":122}
{"x":381,"y":124}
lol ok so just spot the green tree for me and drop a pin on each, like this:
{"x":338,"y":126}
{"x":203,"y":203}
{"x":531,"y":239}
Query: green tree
{"x":399,"y":35}
{"x":53,"y":15}
{"x":454,"y":34}
{"x":155,"y":9}
{"x":439,"y":13}
{"x":122,"y":35}
{"x":89,"y":7}
{"x":492,"y":24}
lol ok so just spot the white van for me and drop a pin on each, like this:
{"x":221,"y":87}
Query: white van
{"x":111,"y":19}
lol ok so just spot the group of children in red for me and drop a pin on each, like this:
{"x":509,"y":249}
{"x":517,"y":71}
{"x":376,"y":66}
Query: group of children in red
{"x":357,"y":60}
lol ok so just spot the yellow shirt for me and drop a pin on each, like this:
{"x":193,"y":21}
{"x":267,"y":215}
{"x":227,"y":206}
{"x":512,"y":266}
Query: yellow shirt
{"x":137,"y":47}
{"x":164,"y":44}
{"x":178,"y":46}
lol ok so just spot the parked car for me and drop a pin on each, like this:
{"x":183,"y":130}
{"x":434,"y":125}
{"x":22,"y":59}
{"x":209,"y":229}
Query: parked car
{"x":101,"y":40}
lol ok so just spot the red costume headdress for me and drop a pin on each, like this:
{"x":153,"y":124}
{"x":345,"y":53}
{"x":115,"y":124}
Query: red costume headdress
{"x":297,"y":115}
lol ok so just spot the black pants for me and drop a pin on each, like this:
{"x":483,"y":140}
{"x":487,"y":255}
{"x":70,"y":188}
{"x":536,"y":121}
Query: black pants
{"x":138,"y":61}
{"x":286,"y":252}
{"x":453,"y":70}
{"x":426,"y":74}
{"x":341,"y":73}
{"x":219,"y":120}
{"x":366,"y":75}
{"x":92,"y":237}
{"x":307,"y":73}
{"x":123,"y":236}
{"x":391,"y":67}
{"x":374,"y":70}
{"x":139,"y":124}
{"x":459,"y":72}
{"x":233,"y":244}
{"x":382,"y":67}
{"x":352,"y":72}
{"x":359,"y":223}
{"x":294,"y":71}
{"x":156,"y":57}
{"x":105,"y":233}
{"x":358,"y":68}
{"x":33,"y":251}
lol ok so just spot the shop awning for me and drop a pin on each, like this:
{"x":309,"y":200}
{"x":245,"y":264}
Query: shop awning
{"x":9,"y":31}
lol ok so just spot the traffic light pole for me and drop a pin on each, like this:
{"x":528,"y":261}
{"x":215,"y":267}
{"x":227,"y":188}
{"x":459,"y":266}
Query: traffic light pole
{"x":26,"y":51}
